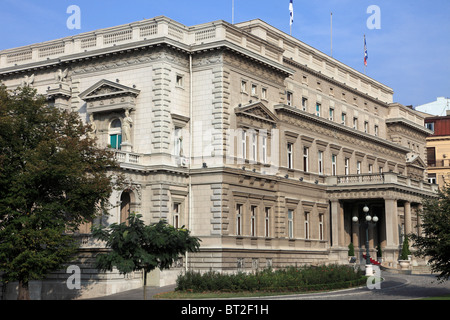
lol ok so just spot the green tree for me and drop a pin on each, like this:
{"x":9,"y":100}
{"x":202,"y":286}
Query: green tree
{"x":52,"y":179}
{"x":136,"y":246}
{"x":434,"y":242}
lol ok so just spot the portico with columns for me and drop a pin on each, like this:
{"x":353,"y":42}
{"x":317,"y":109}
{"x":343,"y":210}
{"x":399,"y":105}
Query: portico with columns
{"x":397,"y":207}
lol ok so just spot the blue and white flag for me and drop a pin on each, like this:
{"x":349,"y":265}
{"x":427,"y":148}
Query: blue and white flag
{"x":291,"y":10}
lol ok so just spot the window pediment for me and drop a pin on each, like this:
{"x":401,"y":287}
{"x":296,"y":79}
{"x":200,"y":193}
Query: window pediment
{"x":106,"y":96}
{"x":256,"y":112}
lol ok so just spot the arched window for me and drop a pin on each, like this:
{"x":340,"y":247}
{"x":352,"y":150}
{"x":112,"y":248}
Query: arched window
{"x":115,"y":134}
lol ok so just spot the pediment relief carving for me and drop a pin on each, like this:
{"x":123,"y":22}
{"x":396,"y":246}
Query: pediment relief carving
{"x":108,"y":96}
{"x":257,"y":111}
{"x":415,"y":160}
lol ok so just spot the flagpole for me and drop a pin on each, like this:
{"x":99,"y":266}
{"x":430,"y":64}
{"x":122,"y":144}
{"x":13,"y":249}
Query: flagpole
{"x":364,"y":54}
{"x":232,"y":11}
{"x":331,"y":34}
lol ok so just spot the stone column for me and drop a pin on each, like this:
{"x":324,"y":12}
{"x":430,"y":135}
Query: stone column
{"x":391,"y":214}
{"x":337,"y":223}
{"x":355,"y":227}
{"x":407,"y":217}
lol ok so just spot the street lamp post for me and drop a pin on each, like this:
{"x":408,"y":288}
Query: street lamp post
{"x":368,"y":220}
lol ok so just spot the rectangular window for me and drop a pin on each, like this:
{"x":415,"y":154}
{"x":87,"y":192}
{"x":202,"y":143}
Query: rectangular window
{"x":304,"y":104}
{"x":305,"y":159}
{"x":264,"y":149}
{"x":177,"y":142}
{"x":253,"y":221}
{"x":347,"y":166}
{"x":333,"y":165}
{"x":244,"y":145}
{"x":179,"y":81}
{"x":318,"y":109}
{"x":239,"y":213}
{"x":430,"y":126}
{"x":344,"y":118}
{"x":358,"y":167}
{"x":176,"y":216}
{"x":116,"y":141}
{"x":331,"y":114}
{"x":320,"y":156}
{"x":244,"y":86}
{"x":431,"y":156}
{"x":290,"y":160}
{"x":306,"y":225}
{"x":432,"y":178}
{"x":289,"y":97}
{"x":321,"y":227}
{"x":366,"y":127}
{"x":254,"y":147}
{"x":290,"y":224}
{"x":267,"y":222}
{"x":254,"y":89}
{"x":355,"y":123}
{"x":264,"y":93}
{"x":370,"y":168}
{"x":376,"y":131}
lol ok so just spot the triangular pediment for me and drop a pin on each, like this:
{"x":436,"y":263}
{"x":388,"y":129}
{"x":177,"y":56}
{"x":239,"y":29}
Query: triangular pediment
{"x":416,"y":160}
{"x":258,"y":111}
{"x":105,"y":89}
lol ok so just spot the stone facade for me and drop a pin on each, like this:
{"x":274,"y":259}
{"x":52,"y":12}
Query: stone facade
{"x":261,"y":145}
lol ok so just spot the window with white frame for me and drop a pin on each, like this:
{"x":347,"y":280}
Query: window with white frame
{"x":177,"y":142}
{"x":370,"y":168}
{"x":290,"y":224}
{"x":254,"y":90}
{"x":253,"y":213}
{"x":376,"y":131}
{"x":254,"y":147}
{"x":320,"y":157}
{"x":304,"y":104}
{"x":244,"y":144}
{"x":305,"y":159}
{"x":321,"y":236}
{"x":289,"y":97}
{"x":267,"y":222}
{"x":333,"y":164}
{"x":264,"y":149}
{"x":355,"y":123}
{"x":115,"y":134}
{"x":290,"y":160}
{"x":331,"y":115}
{"x":307,"y":225}
{"x":176,"y":216}
{"x":264,"y":93}
{"x":239,"y":213}
{"x":366,"y":126}
{"x":358,"y":167}
{"x":318,"y":109}
{"x":347,"y":166}
{"x":344,"y":118}
{"x":244,"y":86}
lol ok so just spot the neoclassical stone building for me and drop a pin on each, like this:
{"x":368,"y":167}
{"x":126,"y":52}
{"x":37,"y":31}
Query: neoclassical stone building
{"x":261,"y":145}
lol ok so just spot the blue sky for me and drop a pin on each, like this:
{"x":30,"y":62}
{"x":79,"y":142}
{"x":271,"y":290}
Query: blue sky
{"x":410,"y":52}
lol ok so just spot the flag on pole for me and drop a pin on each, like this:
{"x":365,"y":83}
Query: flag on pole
{"x":366,"y":56}
{"x":291,"y":10}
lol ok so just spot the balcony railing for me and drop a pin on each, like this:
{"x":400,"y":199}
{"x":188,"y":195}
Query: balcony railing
{"x":379,"y":178}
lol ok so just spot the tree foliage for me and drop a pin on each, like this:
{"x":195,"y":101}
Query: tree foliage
{"x":52,"y":179}
{"x":137,"y":246}
{"x":434,"y":242}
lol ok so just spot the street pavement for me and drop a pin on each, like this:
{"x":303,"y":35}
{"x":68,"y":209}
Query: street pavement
{"x":394,"y":287}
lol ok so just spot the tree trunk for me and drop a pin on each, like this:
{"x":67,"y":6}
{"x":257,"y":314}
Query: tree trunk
{"x":24,"y":292}
{"x":145,"y":284}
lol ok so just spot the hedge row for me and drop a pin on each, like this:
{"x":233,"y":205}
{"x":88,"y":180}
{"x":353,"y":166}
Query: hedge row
{"x":291,"y":279}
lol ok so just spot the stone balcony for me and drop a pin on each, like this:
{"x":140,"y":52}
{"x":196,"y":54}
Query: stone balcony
{"x":379,"y":180}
